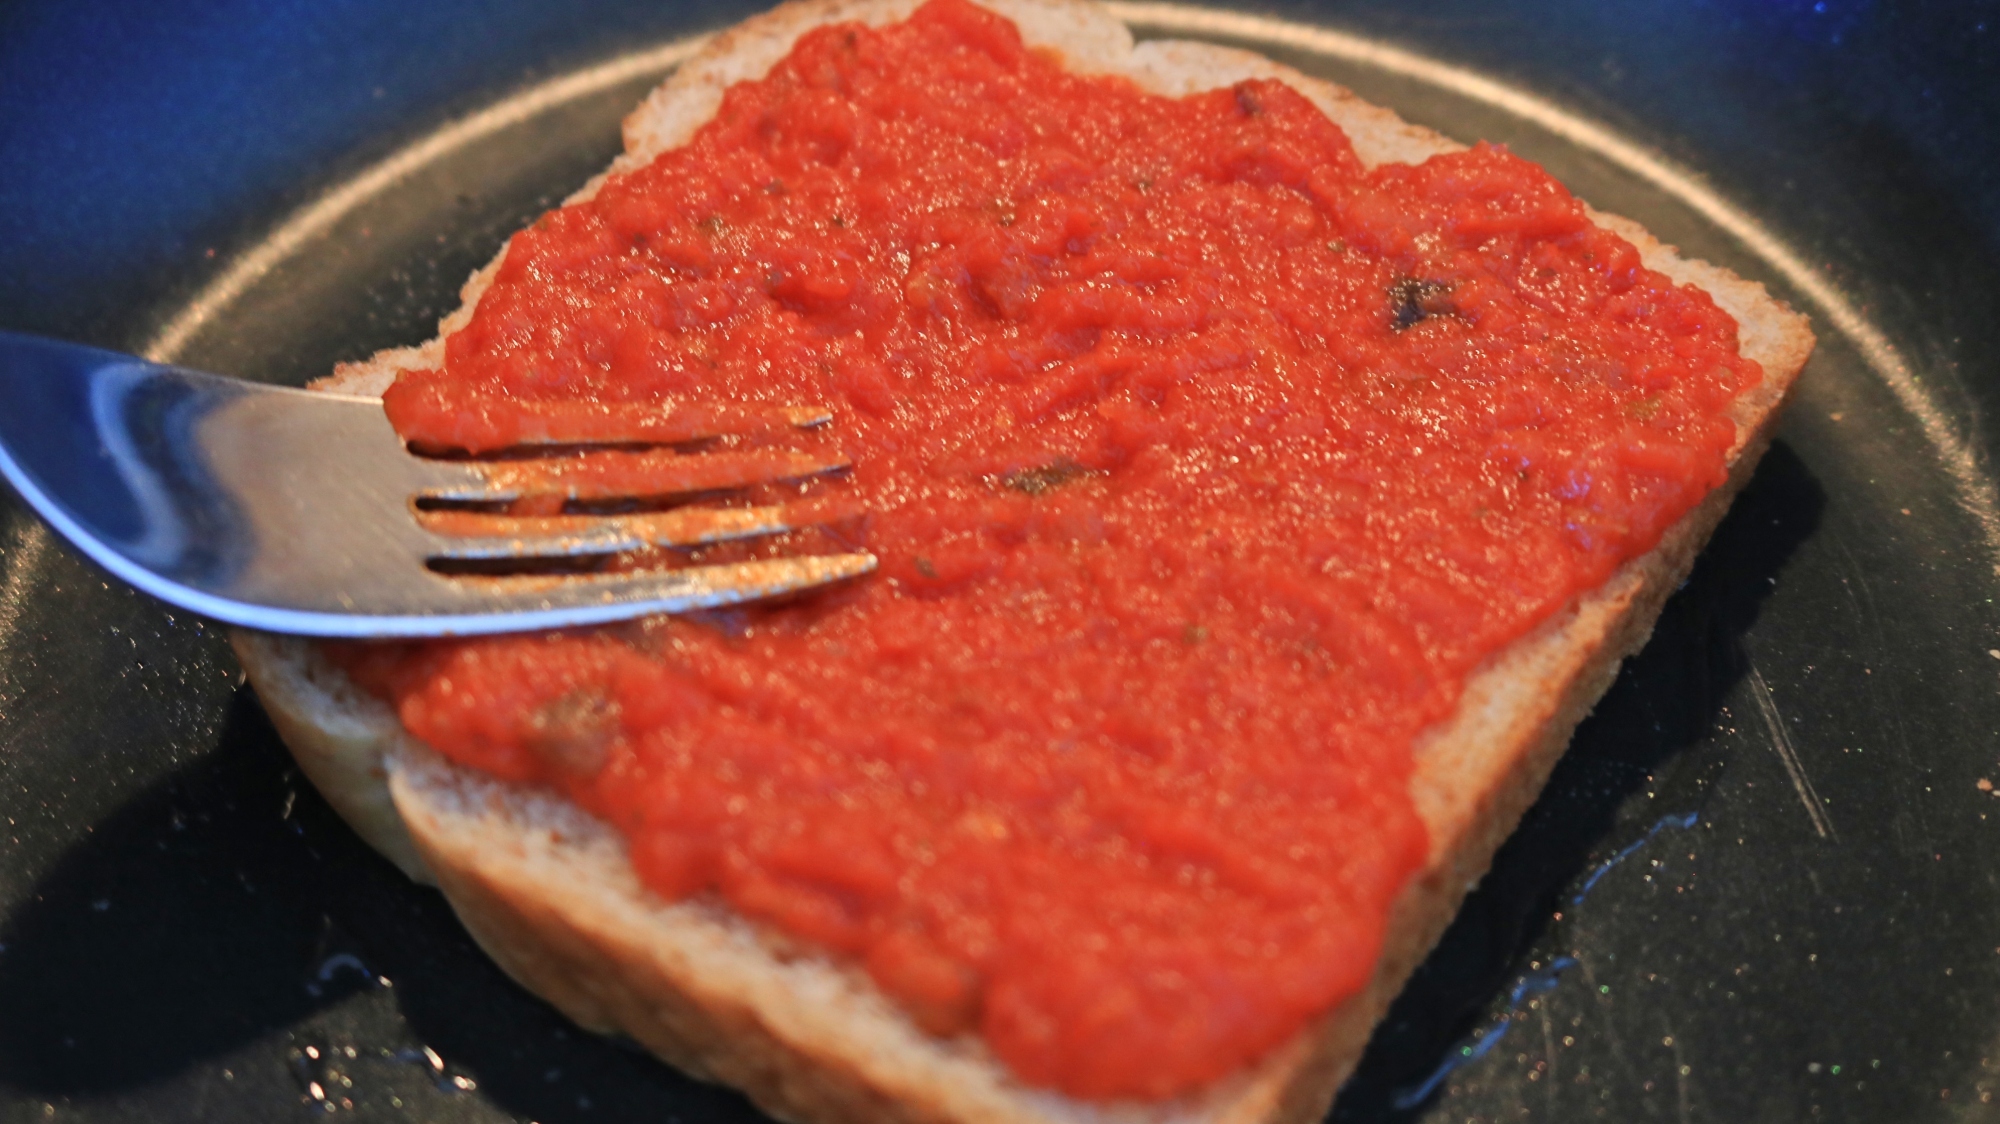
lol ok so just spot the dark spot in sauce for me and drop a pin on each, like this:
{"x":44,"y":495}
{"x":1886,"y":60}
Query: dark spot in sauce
{"x":1412,"y":301}
{"x":1043,"y":478}
{"x":573,"y":733}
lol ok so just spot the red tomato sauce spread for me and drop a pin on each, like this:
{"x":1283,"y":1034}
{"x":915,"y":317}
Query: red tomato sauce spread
{"x":1203,"y":463}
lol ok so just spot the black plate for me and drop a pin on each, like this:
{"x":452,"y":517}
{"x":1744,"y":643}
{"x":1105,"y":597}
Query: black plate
{"x":1760,"y":887}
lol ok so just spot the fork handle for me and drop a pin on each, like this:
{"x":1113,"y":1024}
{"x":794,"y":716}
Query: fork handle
{"x":287,"y":510}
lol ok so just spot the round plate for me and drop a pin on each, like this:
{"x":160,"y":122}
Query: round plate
{"x":1759,"y":887}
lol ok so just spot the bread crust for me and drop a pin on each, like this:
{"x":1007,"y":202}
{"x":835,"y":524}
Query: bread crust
{"x":547,"y":891}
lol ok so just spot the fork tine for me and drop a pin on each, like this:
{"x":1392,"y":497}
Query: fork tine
{"x":586,"y":599}
{"x":806,"y":417}
{"x":654,"y":472}
{"x":470,"y":535}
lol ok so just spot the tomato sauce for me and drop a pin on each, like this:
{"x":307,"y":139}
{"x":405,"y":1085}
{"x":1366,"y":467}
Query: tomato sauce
{"x":1204,"y":465}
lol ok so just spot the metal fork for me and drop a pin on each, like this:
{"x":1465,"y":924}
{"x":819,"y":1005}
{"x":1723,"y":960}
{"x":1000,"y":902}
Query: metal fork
{"x":294,"y":511}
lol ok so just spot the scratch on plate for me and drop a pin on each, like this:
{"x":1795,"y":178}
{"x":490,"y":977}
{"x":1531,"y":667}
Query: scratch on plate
{"x":1781,"y":741}
{"x":17,"y":570}
{"x":1619,"y":1057}
{"x":1680,"y":1072}
{"x":1554,"y":1059}
{"x":1856,"y":577}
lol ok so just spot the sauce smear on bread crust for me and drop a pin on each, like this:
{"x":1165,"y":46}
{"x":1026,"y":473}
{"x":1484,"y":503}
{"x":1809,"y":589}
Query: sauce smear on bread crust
{"x":1203,"y":463}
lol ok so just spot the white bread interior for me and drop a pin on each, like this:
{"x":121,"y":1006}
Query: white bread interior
{"x":548,"y":892}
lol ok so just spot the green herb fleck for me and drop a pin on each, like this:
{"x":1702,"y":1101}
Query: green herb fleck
{"x":1645,"y":408}
{"x":925,"y":568}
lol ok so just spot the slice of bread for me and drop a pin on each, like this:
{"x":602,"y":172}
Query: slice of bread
{"x":547,"y":890}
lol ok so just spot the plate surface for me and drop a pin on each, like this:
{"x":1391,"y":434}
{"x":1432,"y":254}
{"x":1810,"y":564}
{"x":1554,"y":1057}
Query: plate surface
{"x":1759,"y":887}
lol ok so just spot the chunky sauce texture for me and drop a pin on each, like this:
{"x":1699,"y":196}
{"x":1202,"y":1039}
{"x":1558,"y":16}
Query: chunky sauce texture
{"x":1204,"y":466}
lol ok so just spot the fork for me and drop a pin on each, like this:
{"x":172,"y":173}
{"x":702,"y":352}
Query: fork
{"x":301,"y":512}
